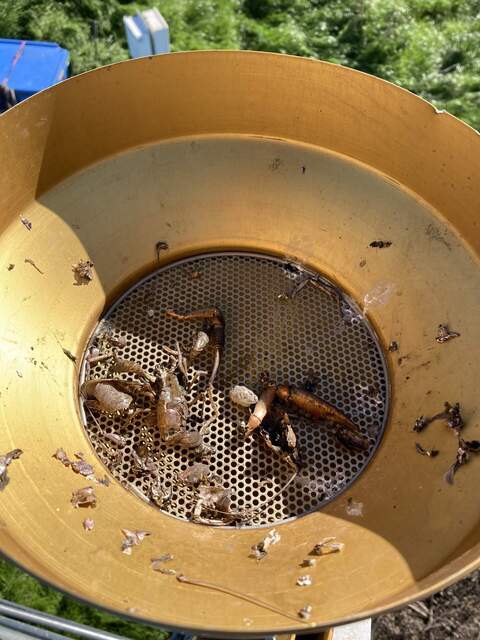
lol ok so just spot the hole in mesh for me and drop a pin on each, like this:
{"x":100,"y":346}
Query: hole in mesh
{"x":297,"y":341}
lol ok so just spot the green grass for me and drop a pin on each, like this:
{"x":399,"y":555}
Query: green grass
{"x":17,"y":586}
{"x":430,"y":47}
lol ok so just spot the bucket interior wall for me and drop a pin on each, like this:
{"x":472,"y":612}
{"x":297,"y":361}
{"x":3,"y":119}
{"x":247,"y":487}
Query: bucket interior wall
{"x":240,"y":152}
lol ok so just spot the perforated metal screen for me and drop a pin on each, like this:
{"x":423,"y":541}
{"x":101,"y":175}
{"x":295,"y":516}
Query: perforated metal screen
{"x":298,"y":341}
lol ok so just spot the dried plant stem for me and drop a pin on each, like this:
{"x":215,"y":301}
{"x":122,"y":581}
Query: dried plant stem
{"x":242,"y":596}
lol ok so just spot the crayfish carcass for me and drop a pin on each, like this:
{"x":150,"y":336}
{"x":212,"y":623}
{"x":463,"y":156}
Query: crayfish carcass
{"x":214,"y":328}
{"x":267,"y":417}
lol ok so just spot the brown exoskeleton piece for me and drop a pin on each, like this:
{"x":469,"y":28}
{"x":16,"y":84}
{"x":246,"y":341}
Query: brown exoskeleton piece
{"x":313,"y":406}
{"x":444,"y":334}
{"x":215,"y":329}
{"x":465,"y":447}
{"x":215,"y":501}
{"x":451,"y":414}
{"x":131,"y":387}
{"x":195,"y":474}
{"x":186,"y":439}
{"x":318,"y":410}
{"x":279,"y":436}
{"x":104,"y":396}
{"x":351,"y":439}
{"x":121,"y":365}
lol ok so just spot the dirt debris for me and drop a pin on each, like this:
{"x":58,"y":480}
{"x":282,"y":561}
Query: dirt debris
{"x":453,"y":614}
{"x":444,"y":334}
{"x":380,"y":244}
{"x":83,"y":272}
{"x":430,"y":453}
{"x":26,"y":223}
{"x":260,"y":550}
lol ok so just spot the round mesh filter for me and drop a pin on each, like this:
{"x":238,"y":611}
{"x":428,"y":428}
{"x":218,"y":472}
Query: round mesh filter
{"x":311,"y":339}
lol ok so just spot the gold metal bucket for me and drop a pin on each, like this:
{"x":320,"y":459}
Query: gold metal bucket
{"x":253,"y":152}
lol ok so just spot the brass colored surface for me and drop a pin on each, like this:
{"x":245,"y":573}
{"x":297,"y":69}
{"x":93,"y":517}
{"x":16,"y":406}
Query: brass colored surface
{"x":211,"y":151}
{"x":307,"y":338}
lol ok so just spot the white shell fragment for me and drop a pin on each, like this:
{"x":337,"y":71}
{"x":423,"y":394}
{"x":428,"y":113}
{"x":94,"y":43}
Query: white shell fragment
{"x":354,"y":508}
{"x":83,"y":271}
{"x":304,"y":581}
{"x":88,"y":524}
{"x":80,"y":465}
{"x":5,"y":460}
{"x":305,"y":612}
{"x":132,"y":538}
{"x":242,"y":396}
{"x":326,"y":546}
{"x":84,"y":497}
{"x":61,"y":455}
{"x":200,"y":341}
{"x":83,"y":467}
{"x":260,"y":549}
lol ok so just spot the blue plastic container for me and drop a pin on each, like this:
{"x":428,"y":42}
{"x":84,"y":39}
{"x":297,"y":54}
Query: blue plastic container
{"x":28,"y":67}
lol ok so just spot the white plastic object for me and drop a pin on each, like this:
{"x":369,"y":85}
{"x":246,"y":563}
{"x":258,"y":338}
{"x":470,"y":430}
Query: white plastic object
{"x":158,"y":28}
{"x":147,"y":33}
{"x":138,"y":37}
{"x":379,"y":295}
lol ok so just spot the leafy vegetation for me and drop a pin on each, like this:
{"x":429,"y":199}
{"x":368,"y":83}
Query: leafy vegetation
{"x":23,"y":589}
{"x":430,"y":47}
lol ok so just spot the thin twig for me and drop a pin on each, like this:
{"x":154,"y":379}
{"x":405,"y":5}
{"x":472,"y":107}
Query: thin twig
{"x":242,"y":596}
